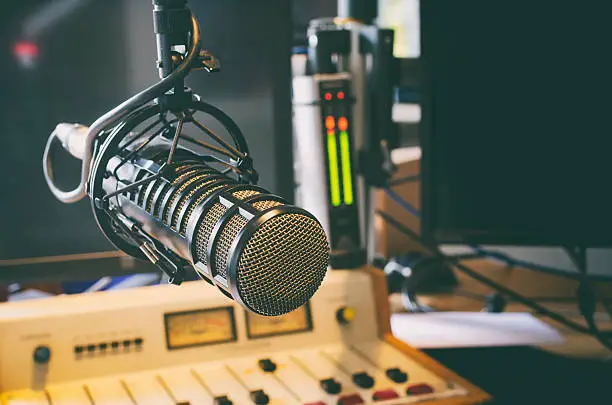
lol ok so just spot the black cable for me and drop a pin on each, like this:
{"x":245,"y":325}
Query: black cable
{"x":435,"y":251}
{"x":492,"y":254}
{"x":587,"y":299}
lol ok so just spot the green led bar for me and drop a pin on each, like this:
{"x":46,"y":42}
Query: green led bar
{"x":347,"y":178}
{"x":334,"y":177}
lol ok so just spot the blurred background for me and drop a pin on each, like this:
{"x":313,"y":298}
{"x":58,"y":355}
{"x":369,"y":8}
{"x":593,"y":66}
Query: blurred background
{"x":73,"y":60}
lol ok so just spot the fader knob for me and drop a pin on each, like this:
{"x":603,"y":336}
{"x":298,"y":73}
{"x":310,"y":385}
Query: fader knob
{"x":259,"y":397}
{"x":397,"y":375}
{"x":363,"y":380}
{"x":267,"y":365}
{"x":42,"y":355}
{"x":222,"y":400}
{"x":331,"y":386}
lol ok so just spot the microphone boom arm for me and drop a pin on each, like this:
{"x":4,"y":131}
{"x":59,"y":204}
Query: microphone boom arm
{"x":118,"y":113}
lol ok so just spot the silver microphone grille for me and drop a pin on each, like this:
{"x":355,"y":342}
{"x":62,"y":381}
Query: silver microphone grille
{"x":283,"y":264}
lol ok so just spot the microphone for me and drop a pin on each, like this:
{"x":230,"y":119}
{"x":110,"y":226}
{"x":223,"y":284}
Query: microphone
{"x":157,"y":199}
{"x":269,"y":256}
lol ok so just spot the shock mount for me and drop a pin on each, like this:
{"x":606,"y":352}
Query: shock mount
{"x":169,"y":108}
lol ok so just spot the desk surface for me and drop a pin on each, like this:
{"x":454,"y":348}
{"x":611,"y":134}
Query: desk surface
{"x":531,"y":284}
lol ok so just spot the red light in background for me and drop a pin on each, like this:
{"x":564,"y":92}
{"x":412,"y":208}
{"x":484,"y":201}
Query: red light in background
{"x":340,"y":95}
{"x":342,"y":124}
{"x":330,"y":122}
{"x":25,"y":49}
{"x":328,"y":96}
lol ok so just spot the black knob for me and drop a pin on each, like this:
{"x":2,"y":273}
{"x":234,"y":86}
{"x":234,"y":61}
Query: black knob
{"x":331,"y":386}
{"x":114,"y":344}
{"x":222,"y":400}
{"x":78,"y":349}
{"x":259,"y":397}
{"x":42,"y":355}
{"x":267,"y":365}
{"x":363,"y":380}
{"x":397,"y":375}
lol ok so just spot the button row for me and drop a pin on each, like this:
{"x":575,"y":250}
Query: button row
{"x":333,"y":387}
{"x":103,"y":346}
{"x":361,"y":379}
{"x":382,"y":395}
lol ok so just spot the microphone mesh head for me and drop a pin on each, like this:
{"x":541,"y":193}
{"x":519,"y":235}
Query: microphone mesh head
{"x":283,"y":264}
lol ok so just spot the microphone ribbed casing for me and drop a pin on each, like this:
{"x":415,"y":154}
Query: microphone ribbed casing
{"x":266,"y":254}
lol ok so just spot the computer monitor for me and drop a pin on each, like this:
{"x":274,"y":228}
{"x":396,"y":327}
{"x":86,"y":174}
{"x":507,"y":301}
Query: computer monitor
{"x":516,"y":127}
{"x":85,"y":61}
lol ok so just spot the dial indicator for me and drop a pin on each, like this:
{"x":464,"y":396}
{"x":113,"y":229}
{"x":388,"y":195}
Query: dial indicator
{"x":200,"y":327}
{"x":266,"y":326}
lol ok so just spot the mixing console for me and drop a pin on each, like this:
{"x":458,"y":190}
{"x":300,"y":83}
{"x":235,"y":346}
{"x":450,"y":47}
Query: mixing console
{"x":168,"y":345}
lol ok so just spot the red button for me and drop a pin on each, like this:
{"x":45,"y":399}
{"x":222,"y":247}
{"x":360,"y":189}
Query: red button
{"x":353,"y":399}
{"x":419,"y":389}
{"x":383,"y":395}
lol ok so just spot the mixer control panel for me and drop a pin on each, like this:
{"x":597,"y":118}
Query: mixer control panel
{"x":185,"y":346}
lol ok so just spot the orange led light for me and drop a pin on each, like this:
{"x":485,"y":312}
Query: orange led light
{"x":342,"y":124}
{"x":340,"y":95}
{"x":328,"y":96}
{"x":330,"y":122}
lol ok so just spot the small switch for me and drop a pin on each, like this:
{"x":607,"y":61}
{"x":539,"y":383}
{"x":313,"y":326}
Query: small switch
{"x":102,"y":346}
{"x":363,"y":380}
{"x":396,"y":375}
{"x":115,"y":344}
{"x":419,"y":389}
{"x":222,"y":400}
{"x":78,"y":349}
{"x":330,"y":386}
{"x":383,"y":395}
{"x":91,"y":348}
{"x":267,"y":365}
{"x":345,"y":315}
{"x":42,"y":355}
{"x":259,"y":397}
{"x":353,"y":399}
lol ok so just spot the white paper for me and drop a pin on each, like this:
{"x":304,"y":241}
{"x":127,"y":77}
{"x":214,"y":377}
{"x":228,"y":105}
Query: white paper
{"x":472,"y":329}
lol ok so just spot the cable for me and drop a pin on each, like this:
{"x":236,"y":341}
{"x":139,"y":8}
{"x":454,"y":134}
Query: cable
{"x":585,"y":294}
{"x":496,"y":255}
{"x":587,"y":299}
{"x":435,"y":251}
{"x":402,"y":180}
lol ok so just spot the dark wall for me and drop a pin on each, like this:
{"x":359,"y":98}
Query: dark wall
{"x":96,"y":58}
{"x":80,"y":74}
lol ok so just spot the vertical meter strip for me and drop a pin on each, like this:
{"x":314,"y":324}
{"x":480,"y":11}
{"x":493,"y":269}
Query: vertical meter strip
{"x":332,"y":155}
{"x":345,"y":156}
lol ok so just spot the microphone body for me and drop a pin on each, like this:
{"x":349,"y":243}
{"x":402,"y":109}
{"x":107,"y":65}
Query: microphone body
{"x":157,"y":200}
{"x":269,"y":256}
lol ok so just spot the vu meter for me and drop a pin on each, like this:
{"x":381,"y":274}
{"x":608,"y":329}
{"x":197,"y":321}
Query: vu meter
{"x":267,"y":326}
{"x":200,"y":327}
{"x":336,"y":104}
{"x":325,"y":162}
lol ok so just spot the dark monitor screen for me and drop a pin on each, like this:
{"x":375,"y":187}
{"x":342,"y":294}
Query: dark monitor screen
{"x":516,"y":128}
{"x":72,"y":61}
